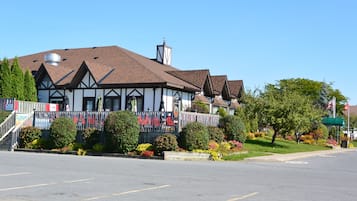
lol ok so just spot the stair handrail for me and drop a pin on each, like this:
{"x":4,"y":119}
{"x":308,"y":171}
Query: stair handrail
{"x":7,"y":125}
{"x":16,"y":133}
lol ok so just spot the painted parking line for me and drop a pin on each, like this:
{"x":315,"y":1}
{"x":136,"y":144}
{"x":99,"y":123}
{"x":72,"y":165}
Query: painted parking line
{"x":78,"y":181}
{"x":297,"y":162}
{"x":14,"y":174}
{"x":126,"y":192}
{"x":43,"y":185}
{"x":243,"y":197}
{"x":25,"y":187}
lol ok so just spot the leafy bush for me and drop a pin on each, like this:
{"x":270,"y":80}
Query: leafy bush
{"x":147,"y":153}
{"x":29,"y":137}
{"x":199,"y":107}
{"x":144,"y":147}
{"x":165,"y":142}
{"x":307,"y":139}
{"x":194,"y":136}
{"x":213,"y":145}
{"x":90,"y":137}
{"x":4,"y":115}
{"x":63,"y":132}
{"x":233,"y":128}
{"x":215,"y":134}
{"x":98,"y":147}
{"x":222,"y":112}
{"x":122,"y":131}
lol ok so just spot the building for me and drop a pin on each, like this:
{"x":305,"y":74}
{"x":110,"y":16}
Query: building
{"x":112,"y":78}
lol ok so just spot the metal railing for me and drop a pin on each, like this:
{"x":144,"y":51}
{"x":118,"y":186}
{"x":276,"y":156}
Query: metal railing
{"x":7,"y":125}
{"x":83,"y":120}
{"x":157,"y":122}
{"x":15,"y":134}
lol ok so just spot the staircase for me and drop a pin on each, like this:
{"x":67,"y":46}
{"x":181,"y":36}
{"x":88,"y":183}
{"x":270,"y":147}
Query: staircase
{"x":6,"y":128}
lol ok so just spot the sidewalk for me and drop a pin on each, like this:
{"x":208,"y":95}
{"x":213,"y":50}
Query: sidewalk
{"x":296,"y":156}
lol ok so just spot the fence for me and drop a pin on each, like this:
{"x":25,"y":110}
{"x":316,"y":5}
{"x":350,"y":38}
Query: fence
{"x":25,"y":107}
{"x":148,"y":121}
{"x":206,"y":119}
{"x":43,"y":120}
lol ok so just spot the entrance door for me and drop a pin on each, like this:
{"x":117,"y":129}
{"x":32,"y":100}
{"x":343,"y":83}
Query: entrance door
{"x":88,"y":104}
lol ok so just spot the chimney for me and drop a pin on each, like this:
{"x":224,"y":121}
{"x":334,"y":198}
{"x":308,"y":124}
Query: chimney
{"x":163,"y":54}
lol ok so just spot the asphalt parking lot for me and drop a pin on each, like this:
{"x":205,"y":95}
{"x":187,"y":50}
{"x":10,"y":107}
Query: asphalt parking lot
{"x":40,"y":177}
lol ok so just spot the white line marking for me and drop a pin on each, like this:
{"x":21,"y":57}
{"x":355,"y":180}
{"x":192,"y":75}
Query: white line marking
{"x":14,"y":174}
{"x":127,"y":192}
{"x":243,"y":197}
{"x":25,"y":187}
{"x":78,"y":180}
{"x":327,"y":156}
{"x":297,"y":162}
{"x":43,"y":185}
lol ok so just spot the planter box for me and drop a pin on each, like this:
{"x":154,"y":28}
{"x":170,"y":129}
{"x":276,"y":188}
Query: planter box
{"x":173,"y":155}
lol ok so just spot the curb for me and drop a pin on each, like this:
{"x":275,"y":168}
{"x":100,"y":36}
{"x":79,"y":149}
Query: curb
{"x":295,"y":156}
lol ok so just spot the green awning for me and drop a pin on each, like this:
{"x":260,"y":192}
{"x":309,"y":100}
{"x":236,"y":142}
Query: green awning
{"x":328,"y":121}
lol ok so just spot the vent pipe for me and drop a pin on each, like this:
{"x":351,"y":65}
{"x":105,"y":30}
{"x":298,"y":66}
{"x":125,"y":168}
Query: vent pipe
{"x":52,"y":59}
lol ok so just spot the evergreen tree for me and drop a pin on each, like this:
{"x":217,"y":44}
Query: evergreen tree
{"x":30,"y":92}
{"x":17,"y":80}
{"x":5,"y":79}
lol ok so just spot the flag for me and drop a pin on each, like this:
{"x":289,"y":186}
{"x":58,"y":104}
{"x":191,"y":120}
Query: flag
{"x":346,"y":106}
{"x":331,"y":105}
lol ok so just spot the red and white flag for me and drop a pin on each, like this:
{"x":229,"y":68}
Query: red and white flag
{"x":346,"y":106}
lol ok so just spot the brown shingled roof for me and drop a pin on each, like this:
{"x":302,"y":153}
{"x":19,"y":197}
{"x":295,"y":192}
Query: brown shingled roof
{"x":220,"y":85}
{"x":197,"y":78}
{"x":236,"y":87}
{"x":126,"y":67}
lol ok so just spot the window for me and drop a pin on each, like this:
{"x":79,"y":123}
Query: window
{"x":112,"y":103}
{"x":88,"y":104}
{"x":135,"y":103}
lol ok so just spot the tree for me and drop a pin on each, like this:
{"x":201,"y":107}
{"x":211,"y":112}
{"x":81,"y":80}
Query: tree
{"x":318,"y":92}
{"x":30,"y":92}
{"x":5,"y":79}
{"x":287,"y":111}
{"x":17,"y":80}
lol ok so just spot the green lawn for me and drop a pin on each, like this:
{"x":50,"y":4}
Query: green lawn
{"x":263,"y":146}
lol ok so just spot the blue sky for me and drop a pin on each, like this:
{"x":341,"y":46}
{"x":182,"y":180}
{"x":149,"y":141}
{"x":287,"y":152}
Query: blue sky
{"x":258,"y":41}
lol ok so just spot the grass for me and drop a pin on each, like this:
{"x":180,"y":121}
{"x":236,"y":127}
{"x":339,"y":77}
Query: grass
{"x":263,"y":146}
{"x":354,"y":142}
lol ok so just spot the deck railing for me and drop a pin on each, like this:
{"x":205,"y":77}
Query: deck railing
{"x":148,"y":121}
{"x":206,"y":119}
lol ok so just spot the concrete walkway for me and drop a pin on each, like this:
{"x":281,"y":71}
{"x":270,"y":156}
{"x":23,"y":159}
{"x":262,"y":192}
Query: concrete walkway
{"x":296,"y":156}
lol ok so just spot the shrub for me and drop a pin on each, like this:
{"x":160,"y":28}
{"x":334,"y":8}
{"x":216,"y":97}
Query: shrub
{"x":90,"y":137}
{"x":165,"y":142}
{"x":233,"y":128}
{"x":307,"y":139}
{"x":122,"y":131}
{"x":194,"y":136}
{"x":62,"y":132}
{"x":98,"y":147}
{"x":4,"y":115}
{"x":213,"y":145}
{"x":147,"y":153}
{"x":215,"y":134}
{"x":29,"y":137}
{"x":199,"y":107}
{"x":144,"y":147}
{"x":236,"y":145}
{"x":251,"y":136}
{"x":222,"y":112}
